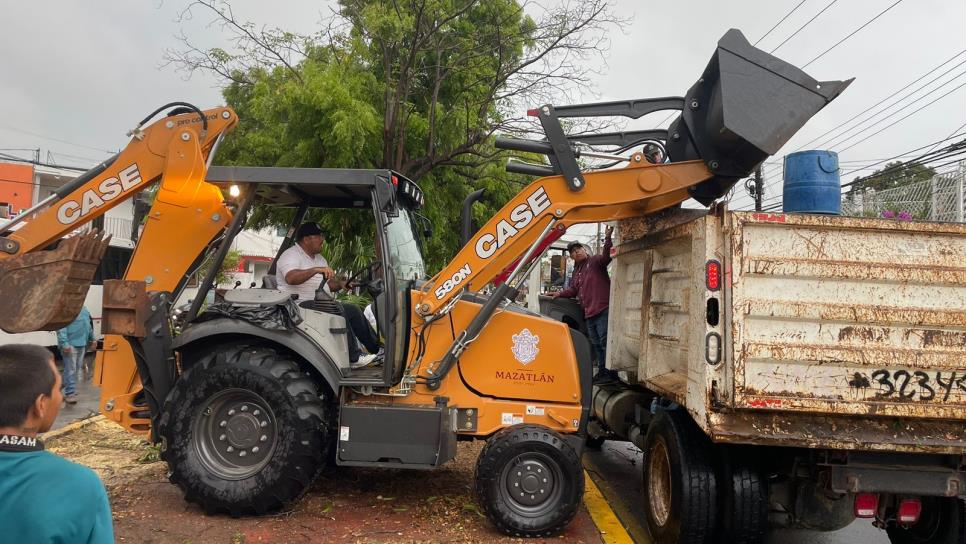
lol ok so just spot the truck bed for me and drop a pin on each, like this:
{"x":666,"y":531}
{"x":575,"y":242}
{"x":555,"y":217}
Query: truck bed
{"x":836,"y":331}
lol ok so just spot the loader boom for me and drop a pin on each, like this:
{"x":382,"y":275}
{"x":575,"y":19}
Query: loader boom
{"x":639,"y":189}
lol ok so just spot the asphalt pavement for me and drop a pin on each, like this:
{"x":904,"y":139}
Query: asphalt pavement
{"x":616,"y":469}
{"x":88,"y":401}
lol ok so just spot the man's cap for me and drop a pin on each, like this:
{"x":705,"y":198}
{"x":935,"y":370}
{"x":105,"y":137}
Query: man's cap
{"x":307,"y":229}
{"x":572,"y":246}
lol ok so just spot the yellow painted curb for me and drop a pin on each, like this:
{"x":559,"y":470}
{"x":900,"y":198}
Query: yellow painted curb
{"x":70,"y":427}
{"x":611,"y":530}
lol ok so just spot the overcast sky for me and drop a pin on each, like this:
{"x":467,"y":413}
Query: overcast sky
{"x":78,"y":75}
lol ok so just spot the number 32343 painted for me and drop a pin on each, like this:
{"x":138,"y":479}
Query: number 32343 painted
{"x":916,"y":385}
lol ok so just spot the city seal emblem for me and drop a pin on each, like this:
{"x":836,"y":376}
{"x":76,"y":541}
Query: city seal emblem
{"x":525,"y":347}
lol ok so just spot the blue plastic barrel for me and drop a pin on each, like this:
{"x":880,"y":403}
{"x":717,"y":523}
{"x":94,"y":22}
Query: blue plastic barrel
{"x":812,"y":183}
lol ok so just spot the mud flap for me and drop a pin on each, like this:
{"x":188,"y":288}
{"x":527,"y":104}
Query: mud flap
{"x":745,"y":106}
{"x":45,"y":290}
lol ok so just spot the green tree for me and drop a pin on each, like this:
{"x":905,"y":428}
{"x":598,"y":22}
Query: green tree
{"x":229,"y":265}
{"x":894,"y":174}
{"x":419,"y":86}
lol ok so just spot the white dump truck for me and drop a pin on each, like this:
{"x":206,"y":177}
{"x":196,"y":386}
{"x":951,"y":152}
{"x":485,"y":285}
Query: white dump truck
{"x":792,"y":368}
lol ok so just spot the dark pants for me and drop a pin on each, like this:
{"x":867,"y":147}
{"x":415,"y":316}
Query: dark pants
{"x":597,"y":333}
{"x":358,"y":330}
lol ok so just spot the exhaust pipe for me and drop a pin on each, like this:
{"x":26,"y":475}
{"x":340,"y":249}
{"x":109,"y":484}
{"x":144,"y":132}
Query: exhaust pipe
{"x":621,"y":412}
{"x":466,"y":219}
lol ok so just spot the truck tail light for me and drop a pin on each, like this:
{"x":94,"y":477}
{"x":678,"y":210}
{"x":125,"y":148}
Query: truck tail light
{"x":909,"y":511}
{"x":866,"y":505}
{"x":712,"y":274}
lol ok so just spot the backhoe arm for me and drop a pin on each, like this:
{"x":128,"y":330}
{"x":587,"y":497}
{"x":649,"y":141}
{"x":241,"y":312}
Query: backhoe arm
{"x":45,"y":289}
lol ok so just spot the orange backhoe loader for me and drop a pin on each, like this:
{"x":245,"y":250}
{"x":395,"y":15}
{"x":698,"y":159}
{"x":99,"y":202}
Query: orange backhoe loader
{"x":251,"y":396}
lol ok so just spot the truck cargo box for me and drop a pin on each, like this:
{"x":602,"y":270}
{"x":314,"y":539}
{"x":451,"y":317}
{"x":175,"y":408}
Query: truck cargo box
{"x":794,"y":329}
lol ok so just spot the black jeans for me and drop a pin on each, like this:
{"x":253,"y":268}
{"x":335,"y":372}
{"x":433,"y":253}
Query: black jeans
{"x":597,"y":332}
{"x":358,"y":330}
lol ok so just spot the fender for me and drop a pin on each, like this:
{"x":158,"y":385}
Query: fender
{"x":207,"y":332}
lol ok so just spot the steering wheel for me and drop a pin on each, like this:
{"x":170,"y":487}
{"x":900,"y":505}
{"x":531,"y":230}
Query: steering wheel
{"x":353,"y":280}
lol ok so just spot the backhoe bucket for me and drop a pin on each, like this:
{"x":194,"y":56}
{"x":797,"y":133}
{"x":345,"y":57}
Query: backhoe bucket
{"x":45,"y":290}
{"x":745,"y":107}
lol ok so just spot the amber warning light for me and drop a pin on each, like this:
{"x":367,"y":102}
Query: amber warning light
{"x":713,"y":275}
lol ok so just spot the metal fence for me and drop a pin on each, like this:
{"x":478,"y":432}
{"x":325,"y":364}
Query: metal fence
{"x":938,"y":199}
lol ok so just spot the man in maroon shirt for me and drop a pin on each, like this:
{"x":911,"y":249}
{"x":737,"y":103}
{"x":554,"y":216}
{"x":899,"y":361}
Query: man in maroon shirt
{"x":591,"y":285}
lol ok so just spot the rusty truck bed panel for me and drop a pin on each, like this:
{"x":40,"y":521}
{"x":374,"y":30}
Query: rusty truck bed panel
{"x":836,"y":332}
{"x":835,"y":315}
{"x":839,"y":432}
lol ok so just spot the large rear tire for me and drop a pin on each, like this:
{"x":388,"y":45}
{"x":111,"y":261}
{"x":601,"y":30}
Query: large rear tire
{"x":744,"y":497}
{"x":244,"y":430}
{"x":942,"y":521}
{"x":529,"y":481}
{"x":680,"y":490}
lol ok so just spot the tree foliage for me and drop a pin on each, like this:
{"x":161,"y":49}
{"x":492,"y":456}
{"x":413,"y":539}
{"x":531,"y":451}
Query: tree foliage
{"x":418,"y":86}
{"x":894,"y":174}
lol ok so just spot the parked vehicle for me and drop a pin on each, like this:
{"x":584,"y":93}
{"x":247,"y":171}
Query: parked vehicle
{"x":813,"y":363}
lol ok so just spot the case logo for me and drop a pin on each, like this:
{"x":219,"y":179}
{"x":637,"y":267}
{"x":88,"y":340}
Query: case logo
{"x":525,"y":347}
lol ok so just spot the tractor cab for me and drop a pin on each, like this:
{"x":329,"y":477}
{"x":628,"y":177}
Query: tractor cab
{"x":387,"y":201}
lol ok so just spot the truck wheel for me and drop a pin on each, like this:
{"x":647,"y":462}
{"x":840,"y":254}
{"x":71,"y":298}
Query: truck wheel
{"x":244,"y":430}
{"x":744,"y":497}
{"x":529,"y":481}
{"x":943,"y":521}
{"x":679,"y":481}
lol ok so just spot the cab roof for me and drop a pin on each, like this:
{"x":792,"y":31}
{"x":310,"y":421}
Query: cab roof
{"x":321,"y":187}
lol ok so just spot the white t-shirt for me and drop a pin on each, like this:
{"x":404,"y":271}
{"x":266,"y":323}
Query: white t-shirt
{"x":295,"y":258}
{"x":370,"y":316}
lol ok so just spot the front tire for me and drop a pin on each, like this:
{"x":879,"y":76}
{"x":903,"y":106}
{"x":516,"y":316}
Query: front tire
{"x":942,"y":521}
{"x":529,"y":481}
{"x":680,"y":488}
{"x":244,"y":431}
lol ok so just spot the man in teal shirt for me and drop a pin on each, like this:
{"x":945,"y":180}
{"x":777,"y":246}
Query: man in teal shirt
{"x":73,"y":341}
{"x":43,"y":498}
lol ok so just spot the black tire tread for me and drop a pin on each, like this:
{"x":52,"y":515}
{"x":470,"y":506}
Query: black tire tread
{"x":697,"y":508}
{"x":744,"y":498}
{"x":311,"y":424}
{"x":488,"y":472}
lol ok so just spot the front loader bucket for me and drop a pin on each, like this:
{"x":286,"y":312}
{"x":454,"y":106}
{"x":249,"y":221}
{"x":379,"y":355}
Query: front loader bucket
{"x":45,"y":290}
{"x":744,"y":108}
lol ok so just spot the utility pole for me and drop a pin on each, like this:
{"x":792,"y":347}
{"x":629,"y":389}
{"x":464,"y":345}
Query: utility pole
{"x":755,"y":188}
{"x":759,"y":189}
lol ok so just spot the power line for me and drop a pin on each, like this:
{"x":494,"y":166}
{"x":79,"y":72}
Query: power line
{"x":961,"y":127}
{"x":883,"y":110}
{"x":873,"y":106}
{"x":855,"y":133}
{"x":22,"y":131}
{"x":38,"y":163}
{"x":903,"y":117}
{"x":830,"y":4}
{"x":957,"y":149}
{"x":867,"y":23}
{"x":780,"y":22}
{"x":930,"y":155}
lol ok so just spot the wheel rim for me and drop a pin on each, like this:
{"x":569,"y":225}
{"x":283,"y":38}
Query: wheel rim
{"x":659,"y":482}
{"x":235,"y":434}
{"x":532,"y":484}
